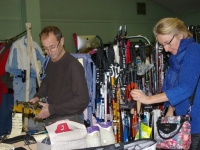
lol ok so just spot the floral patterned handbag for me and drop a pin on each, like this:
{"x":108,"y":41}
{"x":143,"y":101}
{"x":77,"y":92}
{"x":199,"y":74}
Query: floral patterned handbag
{"x":173,"y":132}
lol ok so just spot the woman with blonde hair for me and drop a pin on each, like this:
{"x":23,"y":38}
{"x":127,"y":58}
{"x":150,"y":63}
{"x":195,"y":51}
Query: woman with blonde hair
{"x":182,"y":75}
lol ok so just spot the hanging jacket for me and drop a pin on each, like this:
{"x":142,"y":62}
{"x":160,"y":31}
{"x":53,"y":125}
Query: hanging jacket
{"x":17,"y":59}
{"x":4,"y":57}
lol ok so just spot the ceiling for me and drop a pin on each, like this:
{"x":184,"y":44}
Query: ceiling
{"x":180,"y":6}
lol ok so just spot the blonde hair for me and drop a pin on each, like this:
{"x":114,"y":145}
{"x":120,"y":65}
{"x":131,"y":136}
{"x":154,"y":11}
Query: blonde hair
{"x":171,"y":26}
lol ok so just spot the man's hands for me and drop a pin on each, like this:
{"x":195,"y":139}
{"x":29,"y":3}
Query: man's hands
{"x":44,"y":113}
{"x":34,"y":100}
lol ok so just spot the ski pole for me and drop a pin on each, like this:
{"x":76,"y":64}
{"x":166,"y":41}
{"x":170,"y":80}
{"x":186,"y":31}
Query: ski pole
{"x":139,"y":118}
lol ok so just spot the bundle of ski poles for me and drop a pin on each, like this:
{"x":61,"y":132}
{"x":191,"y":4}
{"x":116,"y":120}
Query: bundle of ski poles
{"x":121,"y":67}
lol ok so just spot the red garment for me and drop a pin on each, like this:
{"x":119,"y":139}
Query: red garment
{"x":3,"y":59}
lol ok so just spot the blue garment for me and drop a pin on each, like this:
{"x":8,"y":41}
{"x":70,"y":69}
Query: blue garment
{"x":178,"y":90}
{"x":17,"y":63}
{"x":6,"y":114}
{"x":19,"y":88}
{"x":13,"y":68}
{"x":44,"y":66}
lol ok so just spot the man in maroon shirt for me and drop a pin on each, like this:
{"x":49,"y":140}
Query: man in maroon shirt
{"x":64,"y":84}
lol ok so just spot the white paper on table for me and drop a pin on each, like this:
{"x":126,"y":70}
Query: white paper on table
{"x":16,"y":125}
{"x":4,"y":146}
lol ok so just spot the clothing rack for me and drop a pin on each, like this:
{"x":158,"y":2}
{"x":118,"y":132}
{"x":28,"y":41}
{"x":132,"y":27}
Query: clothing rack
{"x":8,"y":43}
{"x":15,"y":37}
{"x":30,"y":53}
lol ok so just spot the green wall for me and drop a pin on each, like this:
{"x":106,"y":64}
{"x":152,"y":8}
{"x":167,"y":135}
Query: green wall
{"x":10,"y":19}
{"x":83,"y":17}
{"x":103,"y":18}
{"x":15,"y":13}
{"x":191,"y":18}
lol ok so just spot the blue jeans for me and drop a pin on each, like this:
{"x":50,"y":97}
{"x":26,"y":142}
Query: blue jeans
{"x":6,"y":114}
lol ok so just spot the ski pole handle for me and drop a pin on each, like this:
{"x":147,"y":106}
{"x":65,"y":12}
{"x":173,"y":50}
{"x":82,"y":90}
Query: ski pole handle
{"x":138,"y":107}
{"x":138,"y":103}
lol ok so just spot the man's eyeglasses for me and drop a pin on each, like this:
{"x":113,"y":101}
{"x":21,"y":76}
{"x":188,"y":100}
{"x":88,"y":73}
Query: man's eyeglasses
{"x":167,"y":44}
{"x":51,"y":48}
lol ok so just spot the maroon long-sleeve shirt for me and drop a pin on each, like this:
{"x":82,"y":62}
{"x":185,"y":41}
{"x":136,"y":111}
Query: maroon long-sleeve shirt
{"x":66,"y":87}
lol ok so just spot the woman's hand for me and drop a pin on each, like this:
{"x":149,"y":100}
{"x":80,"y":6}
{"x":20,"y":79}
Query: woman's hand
{"x":139,"y":96}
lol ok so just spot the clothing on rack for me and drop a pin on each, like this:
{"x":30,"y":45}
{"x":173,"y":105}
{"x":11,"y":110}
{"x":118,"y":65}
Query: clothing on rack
{"x":6,"y":81}
{"x":6,"y":92}
{"x":6,"y":114}
{"x":17,"y":59}
{"x":16,"y":65}
{"x":3,"y":56}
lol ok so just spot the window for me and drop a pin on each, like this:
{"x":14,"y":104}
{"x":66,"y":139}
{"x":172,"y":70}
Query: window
{"x":141,"y":8}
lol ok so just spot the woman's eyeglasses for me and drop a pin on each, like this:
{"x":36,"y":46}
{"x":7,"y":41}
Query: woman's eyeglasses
{"x":167,"y":44}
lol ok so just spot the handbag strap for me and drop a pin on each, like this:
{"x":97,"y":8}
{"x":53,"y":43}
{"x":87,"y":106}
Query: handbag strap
{"x":191,"y":99}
